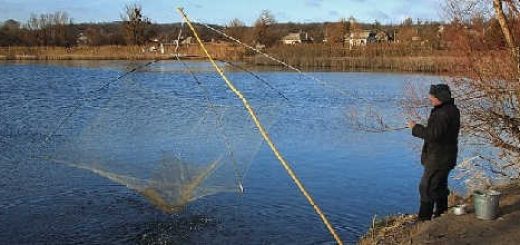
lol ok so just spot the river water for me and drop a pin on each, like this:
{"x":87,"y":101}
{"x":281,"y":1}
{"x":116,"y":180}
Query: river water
{"x":352,"y":174}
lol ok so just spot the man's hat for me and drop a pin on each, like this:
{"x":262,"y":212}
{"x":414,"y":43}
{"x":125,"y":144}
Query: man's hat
{"x":441,"y":92}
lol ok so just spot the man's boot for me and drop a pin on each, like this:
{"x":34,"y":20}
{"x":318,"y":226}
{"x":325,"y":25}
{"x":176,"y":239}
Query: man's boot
{"x":425,"y":211}
{"x":441,"y":206}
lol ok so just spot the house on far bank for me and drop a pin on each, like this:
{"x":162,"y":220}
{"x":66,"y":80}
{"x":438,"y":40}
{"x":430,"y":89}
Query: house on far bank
{"x":155,"y":45}
{"x":382,"y":37}
{"x":187,"y":41}
{"x":296,"y":38}
{"x":364,"y":37}
{"x":82,"y":39}
{"x":358,"y":38}
{"x":259,"y":46}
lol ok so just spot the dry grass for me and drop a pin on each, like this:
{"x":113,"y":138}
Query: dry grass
{"x":114,"y":52}
{"x":375,"y":57}
{"x":398,"y":229}
{"x":315,"y":56}
{"x":408,"y":64}
{"x":390,"y":230}
{"x":452,"y":229}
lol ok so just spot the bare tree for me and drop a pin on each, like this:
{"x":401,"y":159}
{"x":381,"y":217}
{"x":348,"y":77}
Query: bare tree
{"x":464,"y":10}
{"x":335,"y":32}
{"x":50,"y":29}
{"x":489,"y":91}
{"x":236,"y":23}
{"x":135,"y":24}
{"x":262,"y":32}
{"x":499,"y":12}
{"x":407,"y":31}
{"x":237,"y":29}
{"x":506,"y":29}
{"x":353,"y":24}
{"x":10,"y":33}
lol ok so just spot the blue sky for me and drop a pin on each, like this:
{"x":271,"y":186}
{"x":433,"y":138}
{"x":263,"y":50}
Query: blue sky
{"x":222,"y":11}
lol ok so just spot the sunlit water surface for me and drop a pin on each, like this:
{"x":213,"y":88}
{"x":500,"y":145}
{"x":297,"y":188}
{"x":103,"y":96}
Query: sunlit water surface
{"x":353,"y":175}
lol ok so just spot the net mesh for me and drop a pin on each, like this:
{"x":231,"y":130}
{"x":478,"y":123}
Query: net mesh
{"x":169,"y":137}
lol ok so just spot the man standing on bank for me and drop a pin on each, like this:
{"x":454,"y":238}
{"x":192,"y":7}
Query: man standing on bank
{"x":439,"y":152}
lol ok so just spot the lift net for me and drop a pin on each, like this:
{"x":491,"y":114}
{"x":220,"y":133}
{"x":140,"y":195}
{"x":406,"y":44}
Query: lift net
{"x":171,"y":135}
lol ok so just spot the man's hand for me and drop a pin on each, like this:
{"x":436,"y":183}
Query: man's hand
{"x":411,"y":124}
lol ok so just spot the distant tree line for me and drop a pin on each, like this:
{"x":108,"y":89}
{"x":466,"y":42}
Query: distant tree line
{"x":43,"y":30}
{"x":134,"y":28}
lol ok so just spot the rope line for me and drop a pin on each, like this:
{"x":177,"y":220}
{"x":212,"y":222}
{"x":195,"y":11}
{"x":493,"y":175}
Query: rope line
{"x":264,"y":81}
{"x":238,"y":175}
{"x":259,"y":78}
{"x":78,"y":103}
{"x":263,"y":132}
{"x":258,"y":51}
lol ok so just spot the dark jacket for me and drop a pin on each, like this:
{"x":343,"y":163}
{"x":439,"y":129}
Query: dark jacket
{"x":440,"y":137}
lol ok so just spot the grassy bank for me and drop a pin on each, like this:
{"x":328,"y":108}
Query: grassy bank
{"x":114,"y":52}
{"x":308,"y":57}
{"x":395,"y":57}
{"x":407,"y":64}
{"x":452,"y":229}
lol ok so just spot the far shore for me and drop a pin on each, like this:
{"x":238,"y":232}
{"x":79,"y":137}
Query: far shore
{"x":428,"y":63}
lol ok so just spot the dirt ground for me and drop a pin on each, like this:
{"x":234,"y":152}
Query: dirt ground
{"x":453,"y":229}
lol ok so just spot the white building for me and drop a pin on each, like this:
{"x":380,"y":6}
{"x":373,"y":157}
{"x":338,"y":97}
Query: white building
{"x":296,"y":38}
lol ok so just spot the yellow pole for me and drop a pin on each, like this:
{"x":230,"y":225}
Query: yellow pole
{"x":264,"y":133}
